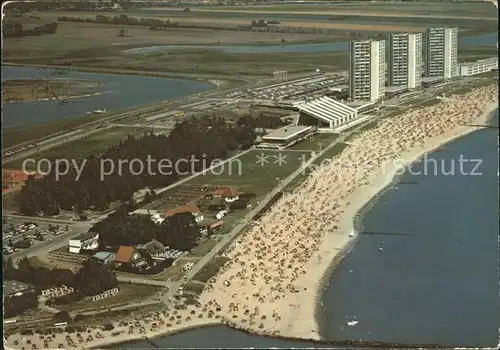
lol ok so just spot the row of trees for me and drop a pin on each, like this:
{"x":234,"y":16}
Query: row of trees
{"x":16,"y":29}
{"x":91,"y":279}
{"x":16,"y":305}
{"x":205,"y":139}
{"x":179,"y":231}
{"x":261,"y":121}
{"x":155,"y":24}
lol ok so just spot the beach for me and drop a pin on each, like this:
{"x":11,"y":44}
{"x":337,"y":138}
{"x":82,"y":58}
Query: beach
{"x":275,"y":278}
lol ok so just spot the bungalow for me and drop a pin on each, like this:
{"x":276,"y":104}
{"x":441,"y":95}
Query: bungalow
{"x":229,"y":194}
{"x":105,"y":257}
{"x":85,"y":241}
{"x":154,"y":248}
{"x":188,"y":208}
{"x":128,"y":255}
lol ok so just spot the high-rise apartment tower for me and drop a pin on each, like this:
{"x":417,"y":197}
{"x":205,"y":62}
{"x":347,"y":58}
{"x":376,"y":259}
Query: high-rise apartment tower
{"x":441,"y":51}
{"x":405,"y":60}
{"x":367,"y":70}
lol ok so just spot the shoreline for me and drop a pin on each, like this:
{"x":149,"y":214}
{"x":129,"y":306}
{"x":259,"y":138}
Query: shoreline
{"x":112,"y":71}
{"x":388,"y":183}
{"x":323,"y":244}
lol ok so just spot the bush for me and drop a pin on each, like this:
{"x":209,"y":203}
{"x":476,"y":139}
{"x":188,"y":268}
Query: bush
{"x":78,"y":318}
{"x":108,"y":327}
{"x":62,"y":316}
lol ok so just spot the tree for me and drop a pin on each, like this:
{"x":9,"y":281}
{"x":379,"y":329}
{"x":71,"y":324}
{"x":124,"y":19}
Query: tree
{"x":8,"y":269}
{"x":93,"y":278}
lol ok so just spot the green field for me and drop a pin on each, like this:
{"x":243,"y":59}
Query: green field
{"x":249,"y":174}
{"x":315,"y":142}
{"x":96,"y":144}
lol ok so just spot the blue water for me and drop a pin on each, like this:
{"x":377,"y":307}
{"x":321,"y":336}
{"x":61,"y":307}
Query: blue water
{"x":437,"y":281}
{"x":121,"y":91}
{"x":434,"y":283}
{"x":487,"y":39}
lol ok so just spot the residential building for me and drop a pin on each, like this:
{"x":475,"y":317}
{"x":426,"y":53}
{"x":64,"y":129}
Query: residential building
{"x":188,"y":208}
{"x":85,"y":241}
{"x":405,"y":60}
{"x":153,"y":248}
{"x":129,"y":255}
{"x":367,"y":70}
{"x":105,"y":257}
{"x":478,"y":67}
{"x":228,"y":193}
{"x":441,"y":52}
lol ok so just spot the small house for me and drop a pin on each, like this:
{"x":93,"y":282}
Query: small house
{"x":129,"y":255}
{"x":153,"y":248}
{"x":105,"y":257}
{"x":229,"y":194}
{"x":188,"y":208}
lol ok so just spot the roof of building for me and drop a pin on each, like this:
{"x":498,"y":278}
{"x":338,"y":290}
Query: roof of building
{"x":287,"y":132}
{"x":188,"y":208}
{"x":327,"y":109}
{"x":104,"y":255}
{"x":229,"y":192}
{"x":13,"y":287}
{"x":392,"y":89}
{"x":153,"y":247}
{"x":431,"y":79}
{"x":18,"y":175}
{"x":86,"y":235}
{"x":124,"y":254}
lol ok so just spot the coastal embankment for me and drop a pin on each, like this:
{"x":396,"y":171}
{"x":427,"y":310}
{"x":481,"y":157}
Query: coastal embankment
{"x":279,"y":268}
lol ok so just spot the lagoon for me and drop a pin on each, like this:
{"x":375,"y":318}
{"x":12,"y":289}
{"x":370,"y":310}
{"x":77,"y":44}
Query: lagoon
{"x":487,"y":39}
{"x":118,"y":92}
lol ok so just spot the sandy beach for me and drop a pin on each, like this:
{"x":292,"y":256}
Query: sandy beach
{"x":278,"y":267}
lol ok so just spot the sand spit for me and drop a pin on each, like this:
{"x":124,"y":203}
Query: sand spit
{"x":273,"y":281}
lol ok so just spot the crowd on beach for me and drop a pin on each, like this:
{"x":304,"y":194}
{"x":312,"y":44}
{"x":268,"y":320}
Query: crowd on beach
{"x":273,"y":280}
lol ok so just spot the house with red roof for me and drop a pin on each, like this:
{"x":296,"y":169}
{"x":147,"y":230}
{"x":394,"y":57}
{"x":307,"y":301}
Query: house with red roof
{"x":129,"y":255}
{"x":188,"y":208}
{"x":229,"y":194}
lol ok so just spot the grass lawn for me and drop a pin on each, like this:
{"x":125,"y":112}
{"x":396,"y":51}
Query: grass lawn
{"x":210,"y":269}
{"x":16,"y":135}
{"x":95,"y":144}
{"x":315,"y":142}
{"x":250,"y":174}
{"x":203,"y":248}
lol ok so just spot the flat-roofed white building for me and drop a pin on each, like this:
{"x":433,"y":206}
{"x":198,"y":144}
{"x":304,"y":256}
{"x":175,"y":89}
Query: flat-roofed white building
{"x":285,"y":136}
{"x":326,"y":113}
{"x":367,"y":70}
{"x":85,"y":241}
{"x":478,"y":67}
{"x":405,"y":60}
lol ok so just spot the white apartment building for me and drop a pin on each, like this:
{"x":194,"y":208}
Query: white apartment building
{"x":367,"y":70}
{"x":441,"y":52}
{"x":480,"y":66}
{"x":405,"y":60}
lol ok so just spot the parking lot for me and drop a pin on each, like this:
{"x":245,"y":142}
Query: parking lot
{"x":18,"y":235}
